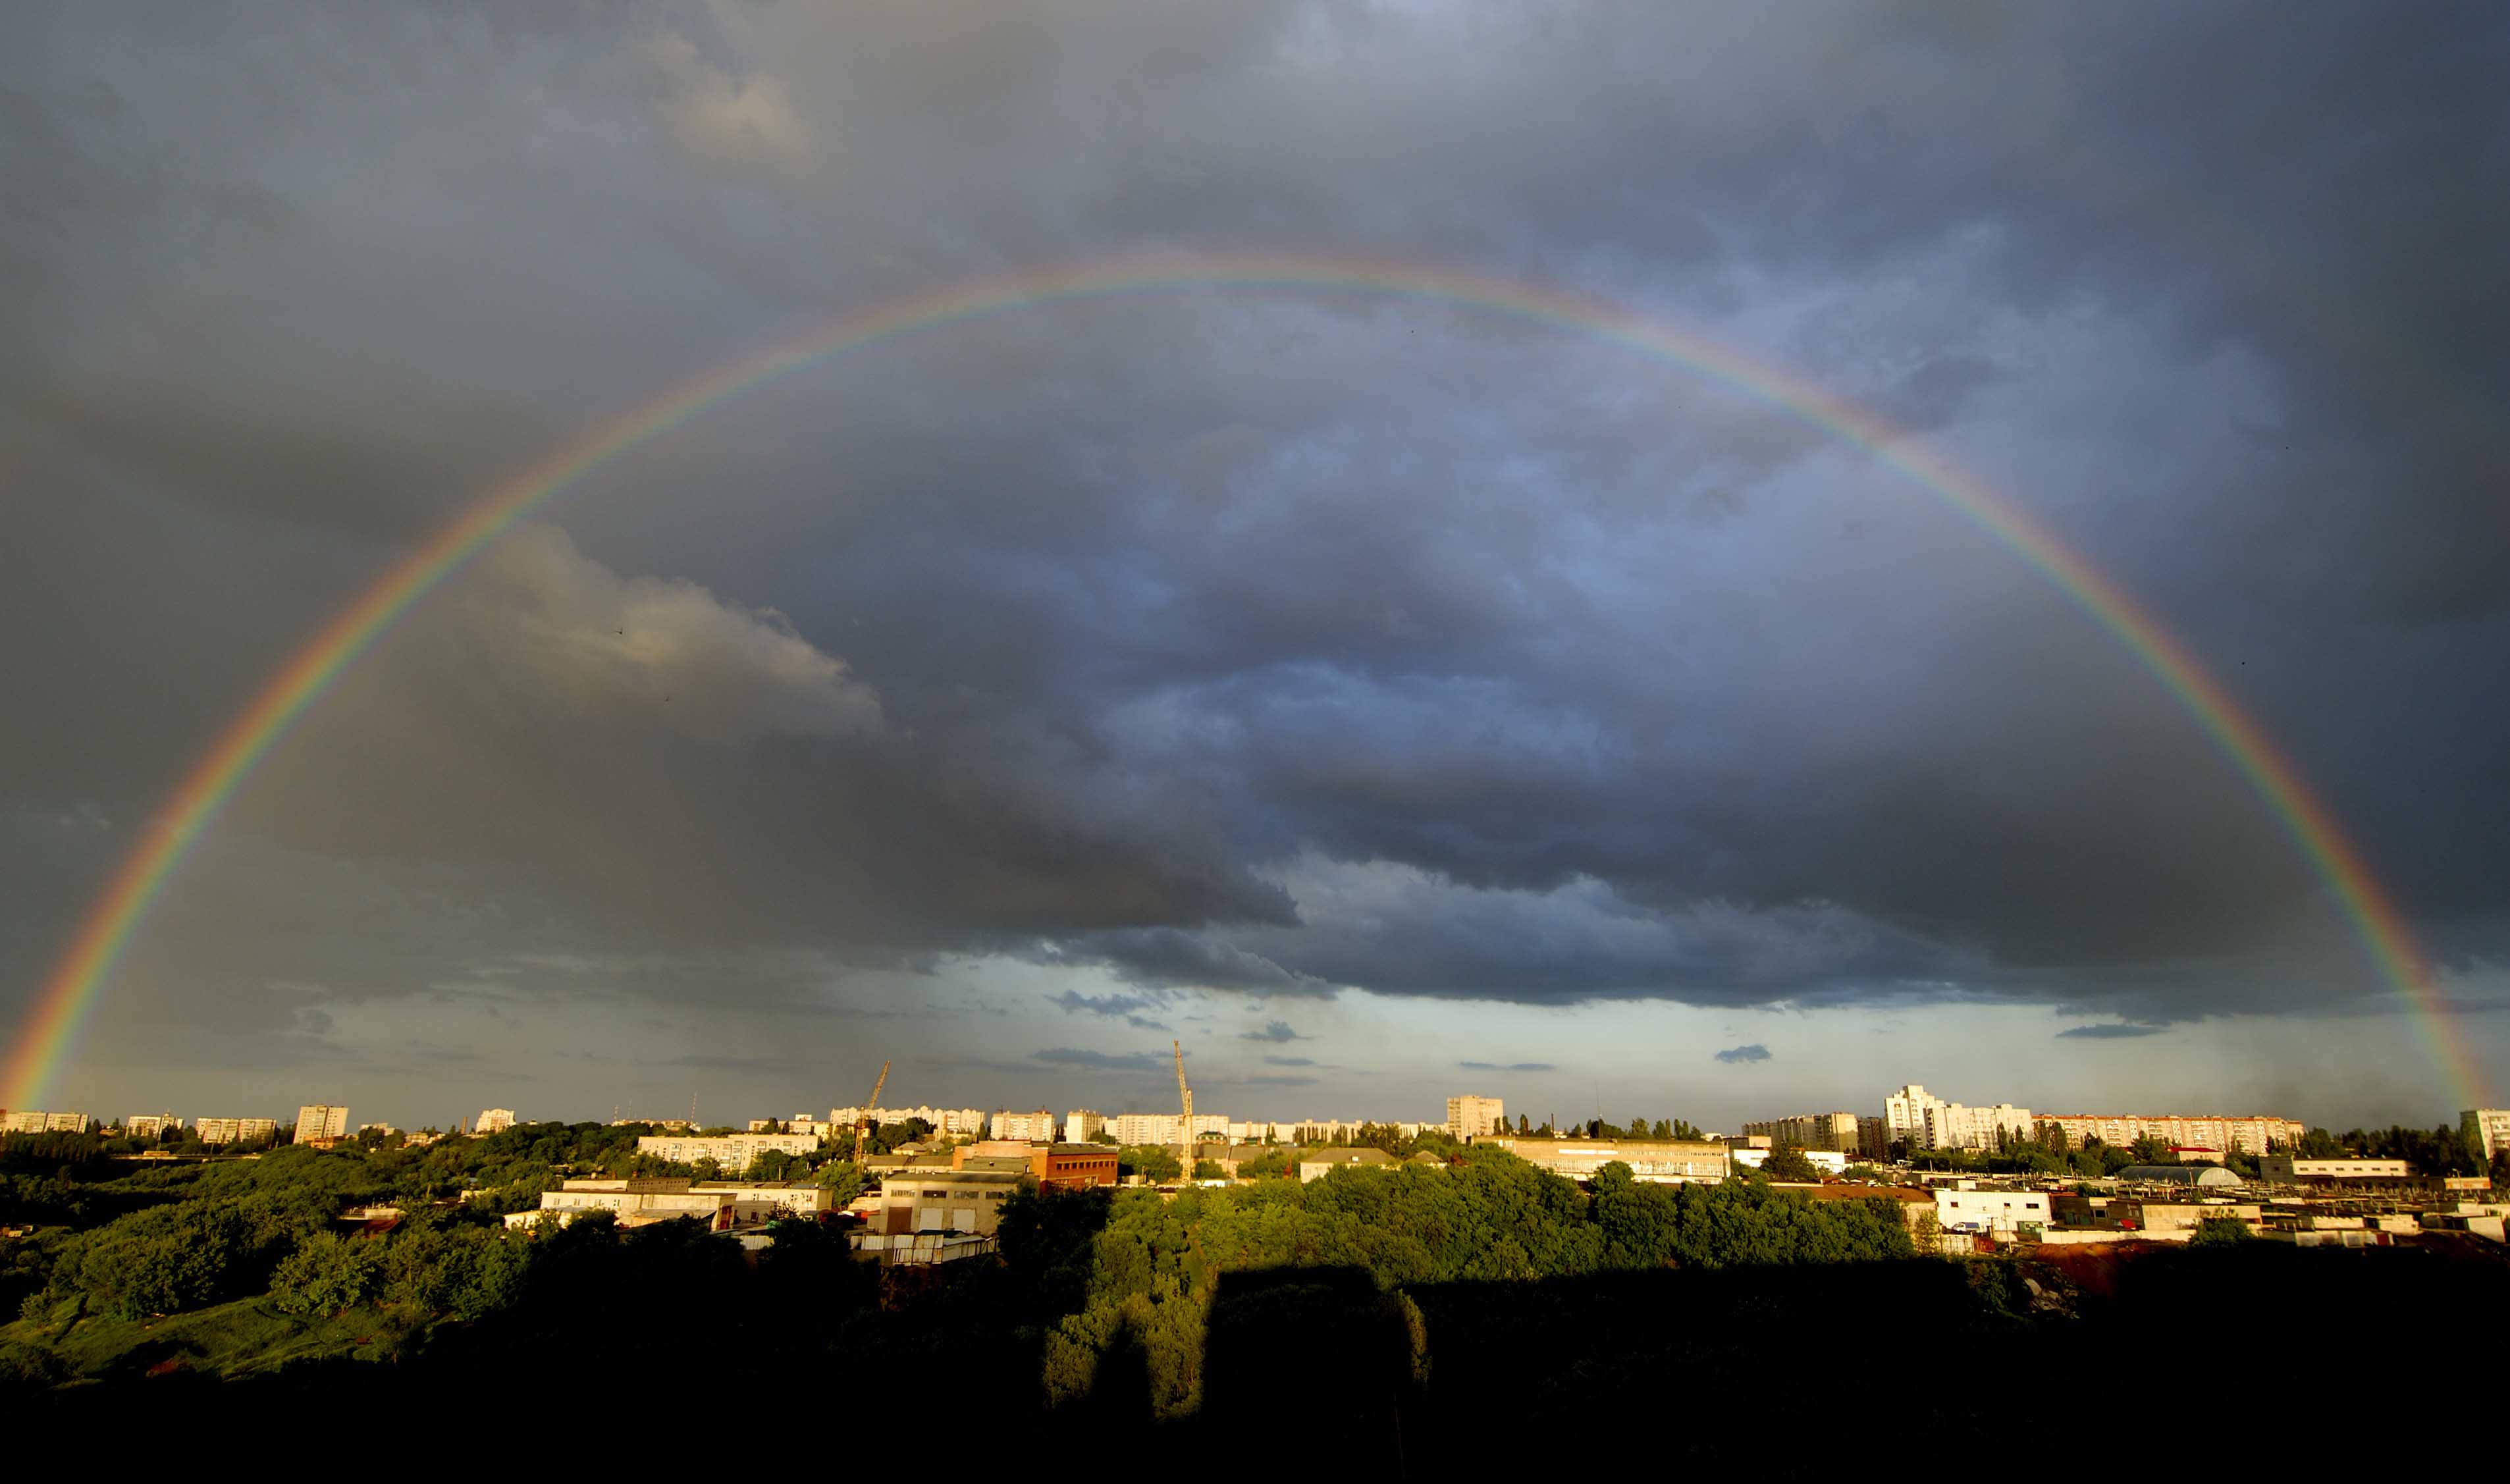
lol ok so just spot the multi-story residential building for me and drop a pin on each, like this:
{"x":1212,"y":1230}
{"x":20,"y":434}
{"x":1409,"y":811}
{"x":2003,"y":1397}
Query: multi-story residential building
{"x":970,"y":1121}
{"x":35,"y":1120}
{"x":1026,"y":1127}
{"x":729,"y":1150}
{"x":1167,"y":1127}
{"x":234,"y":1131}
{"x":1470,"y":1114}
{"x":386,"y":1130}
{"x":322,"y":1121}
{"x":2492,"y":1125}
{"x":151,"y":1126}
{"x":1082,"y":1125}
{"x":1904,"y":1115}
{"x":1929,"y":1122}
{"x":1663,"y":1162}
{"x":1835,"y":1132}
{"x":2247,"y":1133}
{"x":493,"y":1120}
{"x":1958,"y":1125}
{"x":1873,"y":1141}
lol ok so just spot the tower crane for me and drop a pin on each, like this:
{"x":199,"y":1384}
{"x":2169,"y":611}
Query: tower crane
{"x":862,"y":1119}
{"x":1185,"y":1097}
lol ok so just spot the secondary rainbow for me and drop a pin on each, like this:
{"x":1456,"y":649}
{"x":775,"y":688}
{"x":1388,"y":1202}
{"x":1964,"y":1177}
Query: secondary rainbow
{"x":51,"y":1028}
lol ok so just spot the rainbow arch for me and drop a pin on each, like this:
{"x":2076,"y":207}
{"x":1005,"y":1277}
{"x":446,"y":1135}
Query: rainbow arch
{"x":50,"y":1030}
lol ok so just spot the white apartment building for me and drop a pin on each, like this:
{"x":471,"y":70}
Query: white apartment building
{"x":234,"y":1130}
{"x":1025,"y":1127}
{"x":33,"y":1121}
{"x":2492,"y":1126}
{"x":1929,"y":1122}
{"x":151,"y":1126}
{"x":972,"y":1122}
{"x":811,"y":1124}
{"x":494,"y":1120}
{"x":2005,"y":1211}
{"x":729,"y":1150}
{"x":322,"y":1121}
{"x":1470,"y":1114}
{"x":1167,"y":1127}
{"x":23,"y":1120}
{"x":2248,"y":1133}
{"x":1084,"y":1126}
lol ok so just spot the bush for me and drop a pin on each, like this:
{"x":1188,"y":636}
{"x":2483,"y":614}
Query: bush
{"x":328,"y":1274}
{"x":2219,"y":1232}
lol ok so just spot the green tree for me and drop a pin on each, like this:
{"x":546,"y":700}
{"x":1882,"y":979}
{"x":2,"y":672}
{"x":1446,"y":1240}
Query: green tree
{"x":2219,"y":1232}
{"x":328,"y":1274}
{"x":844,"y":1180}
{"x":1787,"y":1163}
{"x":1156,"y":1163}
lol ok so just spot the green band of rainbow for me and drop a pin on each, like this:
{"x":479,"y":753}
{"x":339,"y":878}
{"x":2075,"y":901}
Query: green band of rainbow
{"x":51,"y":1027}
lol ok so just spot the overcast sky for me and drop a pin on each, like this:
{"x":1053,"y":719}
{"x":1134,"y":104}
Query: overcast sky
{"x":1383,"y":698}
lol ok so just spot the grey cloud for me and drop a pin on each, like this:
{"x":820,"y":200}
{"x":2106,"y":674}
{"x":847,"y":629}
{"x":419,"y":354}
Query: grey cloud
{"x":1744,"y":1055}
{"x":2109,"y":1032}
{"x":1101,"y":1062}
{"x":1508,"y":1066}
{"x":1289,"y":1061}
{"x":1276,"y":1030}
{"x":1130,"y":1006}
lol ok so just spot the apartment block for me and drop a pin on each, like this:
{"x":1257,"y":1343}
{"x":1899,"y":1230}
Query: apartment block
{"x":1082,"y":1125}
{"x":1835,"y":1132}
{"x":2491,"y":1126}
{"x":2247,"y":1133}
{"x":151,"y":1126}
{"x":729,"y":1150}
{"x":322,"y":1121}
{"x":1470,"y":1114}
{"x":1929,"y":1122}
{"x":234,"y":1131}
{"x":972,"y":1122}
{"x":1036,"y":1127}
{"x":493,"y":1120}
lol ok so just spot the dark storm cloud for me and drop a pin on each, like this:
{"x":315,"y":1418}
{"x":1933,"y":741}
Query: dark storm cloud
{"x":1506,"y":1066}
{"x":2109,"y":1032}
{"x":1744,"y":1055}
{"x":1264,"y":641}
{"x":1276,"y":1030}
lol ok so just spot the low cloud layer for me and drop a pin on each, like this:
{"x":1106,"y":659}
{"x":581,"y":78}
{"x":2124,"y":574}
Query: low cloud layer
{"x":1744,"y":1055}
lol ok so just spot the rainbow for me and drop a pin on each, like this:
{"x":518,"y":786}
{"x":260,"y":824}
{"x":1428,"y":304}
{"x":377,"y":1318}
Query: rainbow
{"x":68,"y":996}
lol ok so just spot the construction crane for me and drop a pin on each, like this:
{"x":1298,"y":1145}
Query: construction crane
{"x":1185,"y":1096}
{"x":863,"y":1119}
